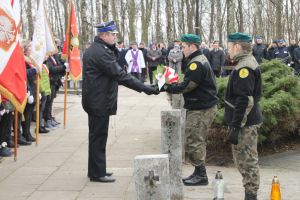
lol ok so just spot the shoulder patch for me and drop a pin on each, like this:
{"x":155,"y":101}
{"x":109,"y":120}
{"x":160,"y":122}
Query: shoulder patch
{"x":193,"y":66}
{"x":244,"y":73}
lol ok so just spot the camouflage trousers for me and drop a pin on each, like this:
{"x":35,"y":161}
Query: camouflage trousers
{"x":198,"y":123}
{"x":245,"y":157}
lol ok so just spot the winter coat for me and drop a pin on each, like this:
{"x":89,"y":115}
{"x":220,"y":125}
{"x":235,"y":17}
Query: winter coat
{"x":156,"y":54}
{"x":176,"y":55}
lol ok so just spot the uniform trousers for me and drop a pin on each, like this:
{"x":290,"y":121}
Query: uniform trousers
{"x":98,"y":133}
{"x":197,"y":125}
{"x":245,"y":157}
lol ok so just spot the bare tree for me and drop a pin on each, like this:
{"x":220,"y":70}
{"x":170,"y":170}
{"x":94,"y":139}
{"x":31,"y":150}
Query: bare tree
{"x":212,"y":19}
{"x":146,"y":7}
{"x":132,"y":16}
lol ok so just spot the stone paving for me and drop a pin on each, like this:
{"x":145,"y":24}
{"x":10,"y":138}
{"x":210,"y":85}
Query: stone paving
{"x":57,"y":167}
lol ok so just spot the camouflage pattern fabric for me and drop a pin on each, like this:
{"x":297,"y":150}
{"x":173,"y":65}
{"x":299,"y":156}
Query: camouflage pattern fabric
{"x":245,"y":157}
{"x":198,"y":123}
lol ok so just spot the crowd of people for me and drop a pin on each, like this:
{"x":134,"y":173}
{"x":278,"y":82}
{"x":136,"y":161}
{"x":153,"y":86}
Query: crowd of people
{"x":135,"y":58}
{"x":50,"y":76}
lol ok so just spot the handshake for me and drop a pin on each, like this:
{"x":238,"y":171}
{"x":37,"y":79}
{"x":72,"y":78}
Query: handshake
{"x":151,"y":89}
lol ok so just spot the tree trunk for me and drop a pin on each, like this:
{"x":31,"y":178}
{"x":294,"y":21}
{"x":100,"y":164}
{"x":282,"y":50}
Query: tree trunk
{"x":105,"y":9}
{"x":84,"y":36}
{"x":220,"y":20}
{"x":212,"y":19}
{"x":132,"y":21}
{"x":159,"y":36}
{"x":241,"y":16}
{"x":170,"y":30}
{"x":197,"y":21}
{"x":279,"y":33}
{"x":146,"y":18}
{"x":98,"y":11}
{"x":30,"y":19}
{"x":115,"y":13}
{"x":230,"y":17}
{"x":189,"y":17}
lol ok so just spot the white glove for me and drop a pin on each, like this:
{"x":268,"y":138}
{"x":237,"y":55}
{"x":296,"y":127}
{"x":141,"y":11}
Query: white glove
{"x":67,"y":67}
{"x":30,"y":98}
{"x":2,"y":112}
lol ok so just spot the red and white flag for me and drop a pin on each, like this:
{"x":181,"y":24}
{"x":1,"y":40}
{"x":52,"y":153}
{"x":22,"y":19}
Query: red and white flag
{"x":71,"y":46}
{"x":12,"y":64}
{"x":42,"y":40}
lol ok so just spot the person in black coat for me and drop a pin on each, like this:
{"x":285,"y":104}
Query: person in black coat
{"x":121,"y":55}
{"x":259,"y":50}
{"x":101,"y":76}
{"x":216,"y":59}
{"x":297,"y":60}
{"x":144,"y":70}
{"x":292,"y":48}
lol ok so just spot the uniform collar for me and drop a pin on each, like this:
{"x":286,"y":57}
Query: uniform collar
{"x":241,"y":56}
{"x":196,"y":53}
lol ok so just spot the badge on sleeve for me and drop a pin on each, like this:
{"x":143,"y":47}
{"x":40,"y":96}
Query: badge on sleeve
{"x":193,"y":66}
{"x":244,"y":73}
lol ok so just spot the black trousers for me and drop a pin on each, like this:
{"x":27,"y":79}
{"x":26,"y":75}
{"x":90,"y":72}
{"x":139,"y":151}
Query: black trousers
{"x":151,"y":69}
{"x":49,"y":103}
{"x":5,"y":127}
{"x":28,"y":112}
{"x":98,"y":132}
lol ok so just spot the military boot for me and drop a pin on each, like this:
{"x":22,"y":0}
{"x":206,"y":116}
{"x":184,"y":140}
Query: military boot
{"x":250,"y":196}
{"x":200,"y":178}
{"x":190,"y":176}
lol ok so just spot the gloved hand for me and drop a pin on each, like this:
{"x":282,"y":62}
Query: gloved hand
{"x":67,"y":67}
{"x":150,"y":90}
{"x":234,"y":135}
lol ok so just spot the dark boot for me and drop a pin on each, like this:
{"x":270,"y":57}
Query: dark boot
{"x":29,"y":138}
{"x":250,"y":196}
{"x":190,"y":176}
{"x":22,"y":141}
{"x":199,"y":179}
{"x":43,"y":130}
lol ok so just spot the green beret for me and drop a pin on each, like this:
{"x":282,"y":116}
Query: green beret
{"x":190,"y":38}
{"x":239,"y":37}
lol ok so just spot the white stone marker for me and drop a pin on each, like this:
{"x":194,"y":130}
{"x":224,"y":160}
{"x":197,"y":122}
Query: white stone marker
{"x":171,"y":144}
{"x":151,"y":175}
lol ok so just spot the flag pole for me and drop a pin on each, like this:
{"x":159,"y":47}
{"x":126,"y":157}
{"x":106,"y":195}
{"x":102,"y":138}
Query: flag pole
{"x":67,"y":60}
{"x":65,"y":98}
{"x":16,"y":135}
{"x":37,"y":108}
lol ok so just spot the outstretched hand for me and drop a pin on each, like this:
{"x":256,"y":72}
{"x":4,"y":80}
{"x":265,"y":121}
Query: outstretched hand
{"x":149,"y":90}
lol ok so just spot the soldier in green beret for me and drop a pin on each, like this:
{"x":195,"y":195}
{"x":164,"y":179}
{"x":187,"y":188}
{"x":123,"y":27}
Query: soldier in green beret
{"x":242,"y":112}
{"x":200,"y":99}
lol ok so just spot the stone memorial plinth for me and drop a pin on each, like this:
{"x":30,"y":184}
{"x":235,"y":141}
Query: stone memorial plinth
{"x":151,"y":175}
{"x":171,"y":144}
{"x":177,"y":102}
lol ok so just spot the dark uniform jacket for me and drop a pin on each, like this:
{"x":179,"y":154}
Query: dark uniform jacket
{"x":282,"y":53}
{"x":259,"y":52}
{"x":101,"y":76}
{"x":198,"y":70}
{"x":216,"y":59}
{"x":243,"y":93}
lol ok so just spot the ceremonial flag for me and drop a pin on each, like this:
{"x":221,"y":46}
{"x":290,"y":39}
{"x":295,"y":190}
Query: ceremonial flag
{"x":12,"y":64}
{"x":42,"y":40}
{"x":71,"y":46}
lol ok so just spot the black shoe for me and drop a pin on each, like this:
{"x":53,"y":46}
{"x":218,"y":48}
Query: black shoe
{"x":43,"y":130}
{"x":53,"y":119}
{"x":105,"y":179}
{"x":23,"y":142}
{"x":11,"y":144}
{"x":249,"y":196}
{"x":196,"y":180}
{"x":109,"y":173}
{"x":5,"y":152}
{"x":190,"y":176}
{"x":29,"y":138}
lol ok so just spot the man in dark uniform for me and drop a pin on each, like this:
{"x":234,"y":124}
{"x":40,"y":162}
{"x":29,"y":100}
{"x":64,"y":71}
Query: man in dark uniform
{"x":101,"y":77}
{"x":242,"y":112}
{"x":200,"y":99}
{"x":259,"y":50}
{"x":282,"y":52}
